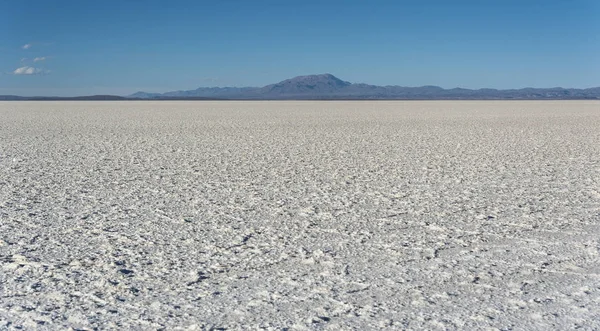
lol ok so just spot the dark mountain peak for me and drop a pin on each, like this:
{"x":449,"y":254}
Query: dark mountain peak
{"x":316,"y":76}
{"x":310,"y":84}
{"x":320,"y":79}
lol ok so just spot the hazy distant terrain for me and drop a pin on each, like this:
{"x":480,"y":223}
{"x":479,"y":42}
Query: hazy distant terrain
{"x":318,"y":215}
{"x":327,"y":86}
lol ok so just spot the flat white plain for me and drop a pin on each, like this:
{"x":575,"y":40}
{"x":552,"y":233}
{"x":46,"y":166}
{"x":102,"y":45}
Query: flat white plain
{"x":300,"y":214}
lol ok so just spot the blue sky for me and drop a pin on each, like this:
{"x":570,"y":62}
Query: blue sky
{"x":119,"y":47}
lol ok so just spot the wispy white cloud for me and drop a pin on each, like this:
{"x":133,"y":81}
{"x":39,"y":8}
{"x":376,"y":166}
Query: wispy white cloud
{"x":41,"y":58}
{"x":27,"y":46}
{"x":29,"y":71}
{"x":23,"y":59}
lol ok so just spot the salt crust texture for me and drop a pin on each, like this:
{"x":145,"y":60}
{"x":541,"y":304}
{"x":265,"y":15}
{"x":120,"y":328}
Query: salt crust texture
{"x":300,"y":215}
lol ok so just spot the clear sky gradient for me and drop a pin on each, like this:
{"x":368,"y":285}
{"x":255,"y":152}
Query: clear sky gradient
{"x":119,"y":47}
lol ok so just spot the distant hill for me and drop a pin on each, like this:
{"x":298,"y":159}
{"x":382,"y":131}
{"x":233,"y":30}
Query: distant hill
{"x":40,"y":98}
{"x":140,"y":96}
{"x":327,"y":86}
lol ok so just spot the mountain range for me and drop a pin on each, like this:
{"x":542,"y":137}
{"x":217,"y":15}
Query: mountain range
{"x":329,"y":87}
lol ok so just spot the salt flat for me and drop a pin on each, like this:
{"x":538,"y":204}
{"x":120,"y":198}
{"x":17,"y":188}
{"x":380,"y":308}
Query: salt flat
{"x":318,"y":215}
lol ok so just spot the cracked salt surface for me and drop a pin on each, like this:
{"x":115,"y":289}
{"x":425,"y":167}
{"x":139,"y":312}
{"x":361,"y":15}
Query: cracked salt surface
{"x":300,"y":215}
